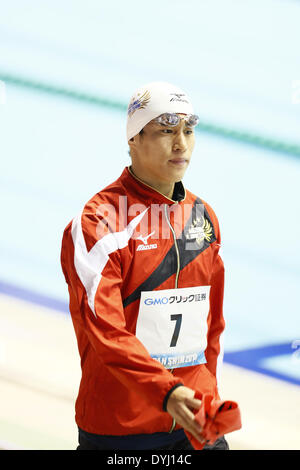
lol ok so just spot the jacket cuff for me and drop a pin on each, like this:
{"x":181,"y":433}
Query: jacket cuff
{"x":168,"y":394}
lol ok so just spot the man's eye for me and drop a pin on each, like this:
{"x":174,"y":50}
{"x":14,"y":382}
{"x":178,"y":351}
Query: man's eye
{"x":167,"y":131}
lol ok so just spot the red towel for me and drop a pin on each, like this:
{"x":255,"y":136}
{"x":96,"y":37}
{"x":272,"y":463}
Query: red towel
{"x":216,"y":418}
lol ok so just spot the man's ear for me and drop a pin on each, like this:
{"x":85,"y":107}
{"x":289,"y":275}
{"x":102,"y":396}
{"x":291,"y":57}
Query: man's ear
{"x":132,"y":142}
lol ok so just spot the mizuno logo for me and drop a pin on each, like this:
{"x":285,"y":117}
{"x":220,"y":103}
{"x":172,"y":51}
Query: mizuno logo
{"x":178,"y":97}
{"x":145,"y":239}
{"x":145,"y":245}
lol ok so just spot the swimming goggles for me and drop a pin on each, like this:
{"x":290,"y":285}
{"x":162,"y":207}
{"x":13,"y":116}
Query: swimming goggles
{"x":173,"y":119}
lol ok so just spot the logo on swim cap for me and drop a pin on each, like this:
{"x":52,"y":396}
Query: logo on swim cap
{"x":178,"y":97}
{"x":138,"y":103}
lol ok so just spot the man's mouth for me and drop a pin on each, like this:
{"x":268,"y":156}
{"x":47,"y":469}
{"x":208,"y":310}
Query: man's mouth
{"x":178,"y":161}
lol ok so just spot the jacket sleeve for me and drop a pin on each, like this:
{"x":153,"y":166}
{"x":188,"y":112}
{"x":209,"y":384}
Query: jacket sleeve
{"x":93,"y":271}
{"x":216,"y":322}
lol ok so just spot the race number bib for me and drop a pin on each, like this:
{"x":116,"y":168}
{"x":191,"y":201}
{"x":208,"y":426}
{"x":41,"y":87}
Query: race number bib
{"x":172,"y":325}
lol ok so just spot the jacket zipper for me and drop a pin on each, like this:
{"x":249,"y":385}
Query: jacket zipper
{"x":176,"y":279}
{"x":176,"y":247}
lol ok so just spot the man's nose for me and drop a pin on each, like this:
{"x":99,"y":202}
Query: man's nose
{"x":180,"y":141}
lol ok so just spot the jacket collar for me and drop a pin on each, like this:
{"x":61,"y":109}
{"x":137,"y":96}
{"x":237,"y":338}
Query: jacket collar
{"x":144,"y":191}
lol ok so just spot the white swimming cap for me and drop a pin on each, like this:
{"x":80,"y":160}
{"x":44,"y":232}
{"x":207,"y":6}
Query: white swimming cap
{"x":152,"y":100}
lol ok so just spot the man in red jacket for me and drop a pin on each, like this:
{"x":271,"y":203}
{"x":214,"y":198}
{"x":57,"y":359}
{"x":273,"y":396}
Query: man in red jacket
{"x":146,"y":287}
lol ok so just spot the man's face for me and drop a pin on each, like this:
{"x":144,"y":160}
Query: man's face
{"x":162,"y":153}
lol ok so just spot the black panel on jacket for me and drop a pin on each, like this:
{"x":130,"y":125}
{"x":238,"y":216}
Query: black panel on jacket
{"x":168,"y":266}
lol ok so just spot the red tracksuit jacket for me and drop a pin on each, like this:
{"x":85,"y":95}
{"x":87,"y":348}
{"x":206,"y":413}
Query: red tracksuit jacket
{"x":128,"y":240}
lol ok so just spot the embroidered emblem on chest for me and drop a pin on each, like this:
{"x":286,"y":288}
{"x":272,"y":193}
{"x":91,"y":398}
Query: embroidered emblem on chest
{"x":200,"y":230}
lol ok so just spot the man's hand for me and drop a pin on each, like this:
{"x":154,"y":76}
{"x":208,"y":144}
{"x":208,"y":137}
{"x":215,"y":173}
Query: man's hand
{"x":180,"y":404}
